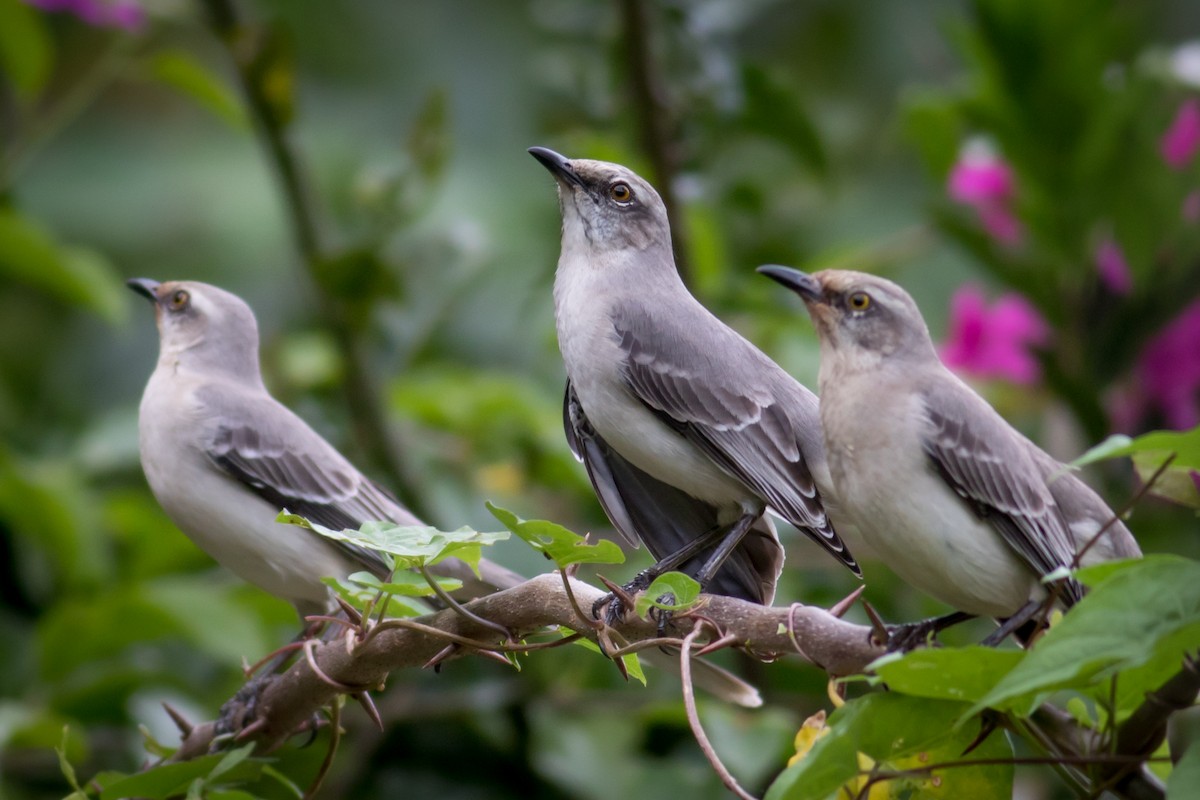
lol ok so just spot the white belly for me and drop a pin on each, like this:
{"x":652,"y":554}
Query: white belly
{"x":231,"y":524}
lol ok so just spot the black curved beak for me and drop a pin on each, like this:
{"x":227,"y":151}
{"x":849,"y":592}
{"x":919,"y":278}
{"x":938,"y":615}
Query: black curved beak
{"x":799,"y":282}
{"x":558,"y":164}
{"x":146,"y":287}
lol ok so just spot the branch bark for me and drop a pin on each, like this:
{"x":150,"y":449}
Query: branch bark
{"x":653,"y":119}
{"x":290,"y":699}
{"x":255,"y":72}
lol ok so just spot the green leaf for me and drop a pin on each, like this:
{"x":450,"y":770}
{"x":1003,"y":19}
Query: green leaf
{"x":1180,"y":482}
{"x":180,"y":70}
{"x":64,"y":764}
{"x":360,"y":597}
{"x":412,"y":546}
{"x":26,"y":50}
{"x":166,"y":780}
{"x":1145,"y":611}
{"x":633,"y":667}
{"x":562,"y":546}
{"x":404,"y":584}
{"x":29,"y":255}
{"x":898,"y":732}
{"x":965,"y":674}
{"x":1184,"y":781}
{"x":684,"y":590}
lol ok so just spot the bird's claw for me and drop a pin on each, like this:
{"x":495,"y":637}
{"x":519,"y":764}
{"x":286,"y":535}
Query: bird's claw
{"x":621,"y":599}
{"x":908,"y":636}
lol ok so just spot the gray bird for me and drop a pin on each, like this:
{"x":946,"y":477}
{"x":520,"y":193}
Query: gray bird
{"x":223,"y":457}
{"x":688,"y":432}
{"x":950,"y":496}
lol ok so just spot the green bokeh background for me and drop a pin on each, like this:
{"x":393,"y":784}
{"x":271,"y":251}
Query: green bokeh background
{"x":797,"y":142}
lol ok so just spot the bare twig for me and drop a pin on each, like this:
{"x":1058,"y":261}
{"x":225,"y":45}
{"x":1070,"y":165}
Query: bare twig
{"x":654,"y":120}
{"x":454,"y":604}
{"x":335,"y":737}
{"x":1133,"y":501}
{"x":693,"y":716}
{"x":371,"y":430}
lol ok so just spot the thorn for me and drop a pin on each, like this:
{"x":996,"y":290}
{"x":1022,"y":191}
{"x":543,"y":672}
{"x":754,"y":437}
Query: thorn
{"x":251,"y":729}
{"x":350,"y":611}
{"x":627,"y":600}
{"x":180,"y":721}
{"x":440,"y":656}
{"x":842,"y":606}
{"x":621,"y":668}
{"x":879,"y":630}
{"x":364,"y":700}
{"x":492,"y":654}
{"x":990,"y":723}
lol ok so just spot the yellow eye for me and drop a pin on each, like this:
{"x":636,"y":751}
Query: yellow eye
{"x":859,"y":301}
{"x":179,"y":300}
{"x":621,"y":192}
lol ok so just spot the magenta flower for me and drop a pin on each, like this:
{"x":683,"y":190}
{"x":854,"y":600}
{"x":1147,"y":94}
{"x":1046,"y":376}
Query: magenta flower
{"x":1112,"y":267}
{"x":982,"y":180}
{"x":1179,"y":143}
{"x":1168,"y":370}
{"x":125,"y":14}
{"x":996,"y":342}
{"x":1191,"y":207}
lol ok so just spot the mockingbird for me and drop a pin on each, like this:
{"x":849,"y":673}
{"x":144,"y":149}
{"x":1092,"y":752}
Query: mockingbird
{"x":688,"y":432}
{"x":954,"y":499}
{"x":223,"y":457}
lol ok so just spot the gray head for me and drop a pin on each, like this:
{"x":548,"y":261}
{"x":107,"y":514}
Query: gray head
{"x":202,"y":327}
{"x":857,"y":315}
{"x":606,"y":208}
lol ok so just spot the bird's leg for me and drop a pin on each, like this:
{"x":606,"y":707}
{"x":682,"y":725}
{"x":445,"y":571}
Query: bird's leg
{"x":1014,"y":623}
{"x":911,"y":635}
{"x":616,"y":609}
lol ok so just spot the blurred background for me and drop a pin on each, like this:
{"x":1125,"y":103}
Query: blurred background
{"x":1026,"y":169}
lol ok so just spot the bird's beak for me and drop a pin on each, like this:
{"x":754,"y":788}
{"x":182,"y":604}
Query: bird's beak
{"x":146,"y":287}
{"x":803,"y":284}
{"x":558,"y":164}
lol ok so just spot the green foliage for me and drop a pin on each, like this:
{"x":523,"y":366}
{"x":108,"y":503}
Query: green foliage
{"x":26,"y":50}
{"x":671,"y":591}
{"x":898,"y":732}
{"x":1178,"y":451}
{"x":410,"y":546}
{"x":558,"y":544}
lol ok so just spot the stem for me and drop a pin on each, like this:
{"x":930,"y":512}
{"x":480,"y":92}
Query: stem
{"x":652,"y":118}
{"x":367,"y":418}
{"x":693,"y":716}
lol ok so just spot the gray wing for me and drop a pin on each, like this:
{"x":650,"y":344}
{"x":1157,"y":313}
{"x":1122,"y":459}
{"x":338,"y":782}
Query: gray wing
{"x":987,"y":464}
{"x":262,"y":444}
{"x":665,"y":518}
{"x":752,"y":419}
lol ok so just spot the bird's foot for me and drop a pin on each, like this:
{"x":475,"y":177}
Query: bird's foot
{"x":618,"y":602}
{"x":237,"y":718}
{"x":911,"y":635}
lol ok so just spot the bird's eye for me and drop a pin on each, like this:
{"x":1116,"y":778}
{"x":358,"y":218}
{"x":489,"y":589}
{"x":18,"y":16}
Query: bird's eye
{"x":859,"y":301}
{"x":179,"y":300}
{"x":620,"y":192}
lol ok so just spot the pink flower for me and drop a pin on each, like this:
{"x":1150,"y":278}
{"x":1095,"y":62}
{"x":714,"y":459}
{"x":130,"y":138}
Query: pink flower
{"x":125,"y":14}
{"x":1180,"y":141}
{"x":1191,"y":207}
{"x":980,"y":179}
{"x":1112,"y":267}
{"x":996,"y":342}
{"x":1168,"y":370}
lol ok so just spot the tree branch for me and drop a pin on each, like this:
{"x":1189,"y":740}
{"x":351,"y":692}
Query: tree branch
{"x":653,"y":119}
{"x":255,"y":71}
{"x":287,"y":701}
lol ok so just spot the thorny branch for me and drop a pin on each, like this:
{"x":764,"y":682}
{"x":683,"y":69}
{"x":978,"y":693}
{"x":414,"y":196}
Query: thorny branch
{"x":334,"y":667}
